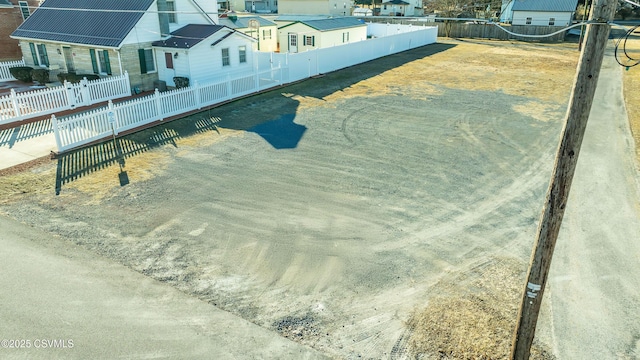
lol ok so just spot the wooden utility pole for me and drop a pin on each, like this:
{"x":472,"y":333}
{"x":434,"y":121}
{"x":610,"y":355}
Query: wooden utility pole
{"x":584,"y":88}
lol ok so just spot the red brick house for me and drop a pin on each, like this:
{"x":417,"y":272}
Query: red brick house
{"x":12,"y":14}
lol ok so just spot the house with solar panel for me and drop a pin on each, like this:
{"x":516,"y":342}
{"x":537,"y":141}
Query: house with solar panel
{"x":538,"y":12}
{"x":312,"y":33}
{"x":202,"y":54}
{"x":106,"y":37}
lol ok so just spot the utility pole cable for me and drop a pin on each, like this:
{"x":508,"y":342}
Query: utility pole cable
{"x":582,"y":93}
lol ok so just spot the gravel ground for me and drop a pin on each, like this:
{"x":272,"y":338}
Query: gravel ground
{"x":336,"y":210}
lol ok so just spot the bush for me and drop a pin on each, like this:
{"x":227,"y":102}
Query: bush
{"x":22,"y":73}
{"x":75,"y":78}
{"x":181,"y":81}
{"x":40,"y":75}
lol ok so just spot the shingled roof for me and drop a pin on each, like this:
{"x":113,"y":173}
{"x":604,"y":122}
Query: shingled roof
{"x":89,"y":22}
{"x":188,"y":36}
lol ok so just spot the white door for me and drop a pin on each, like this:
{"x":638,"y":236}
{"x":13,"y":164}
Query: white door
{"x":293,"y":42}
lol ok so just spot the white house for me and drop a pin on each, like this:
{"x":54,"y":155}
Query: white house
{"x":203,"y":53}
{"x":538,"y":12}
{"x":106,"y":37}
{"x":402,"y":8}
{"x":259,"y":28}
{"x":305,"y":35}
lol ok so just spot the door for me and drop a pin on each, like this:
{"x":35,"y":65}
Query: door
{"x":293,"y":42}
{"x":68,"y":59}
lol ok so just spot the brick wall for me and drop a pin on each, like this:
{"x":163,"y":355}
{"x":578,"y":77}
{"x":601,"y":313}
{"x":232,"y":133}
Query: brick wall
{"x":10,"y":19}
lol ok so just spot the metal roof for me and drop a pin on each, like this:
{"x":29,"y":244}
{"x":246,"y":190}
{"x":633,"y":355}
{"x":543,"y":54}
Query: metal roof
{"x":188,"y":36}
{"x":90,"y":22}
{"x":545,"y":5}
{"x":331,"y":23}
{"x":243,"y":22}
{"x":396,"y":2}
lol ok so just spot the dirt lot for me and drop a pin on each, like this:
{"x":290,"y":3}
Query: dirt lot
{"x":382,"y":211}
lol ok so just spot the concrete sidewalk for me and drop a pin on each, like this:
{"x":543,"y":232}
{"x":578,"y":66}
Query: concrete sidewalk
{"x":26,"y":143}
{"x":60,"y":301}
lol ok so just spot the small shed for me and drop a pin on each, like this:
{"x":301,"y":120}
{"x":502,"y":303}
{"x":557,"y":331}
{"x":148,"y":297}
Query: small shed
{"x":306,"y":35}
{"x":203,"y":53}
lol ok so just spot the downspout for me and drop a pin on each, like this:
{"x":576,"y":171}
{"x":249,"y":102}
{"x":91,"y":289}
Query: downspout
{"x":201,"y":10}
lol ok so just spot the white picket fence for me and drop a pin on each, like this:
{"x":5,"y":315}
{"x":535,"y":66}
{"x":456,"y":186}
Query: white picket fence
{"x":5,"y":75}
{"x":83,"y":128}
{"x":79,"y":129}
{"x":24,"y":105}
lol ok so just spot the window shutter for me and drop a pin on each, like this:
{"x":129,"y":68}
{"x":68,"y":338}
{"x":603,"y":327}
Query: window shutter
{"x":143,"y":61}
{"x":313,"y":40}
{"x":34,"y":55}
{"x":107,"y":62}
{"x":94,"y":61}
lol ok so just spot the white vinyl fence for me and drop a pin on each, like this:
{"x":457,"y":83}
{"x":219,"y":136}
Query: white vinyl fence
{"x":80,"y":129}
{"x":20,"y":106}
{"x":5,"y":75}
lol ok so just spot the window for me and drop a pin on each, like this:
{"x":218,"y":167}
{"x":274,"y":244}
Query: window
{"x":147,"y":63}
{"x":226,"y":61}
{"x":24,"y":9}
{"x":552,"y":21}
{"x":100,"y":61}
{"x":39,"y":54}
{"x":242,"y":54}
{"x":345,"y":37}
{"x":384,"y":7}
{"x":528,"y":21}
{"x":266,"y":34}
{"x":168,"y":59}
{"x":171,"y":11}
{"x":309,"y":40}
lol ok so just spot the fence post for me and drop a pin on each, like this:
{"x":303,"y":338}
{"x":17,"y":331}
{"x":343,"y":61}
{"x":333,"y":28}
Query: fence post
{"x":84,"y":88}
{"x":229,"y":94}
{"x":14,"y":102}
{"x":71,"y":98}
{"x":156,"y":95}
{"x":127,"y":87}
{"x":56,"y":132}
{"x":196,"y":89}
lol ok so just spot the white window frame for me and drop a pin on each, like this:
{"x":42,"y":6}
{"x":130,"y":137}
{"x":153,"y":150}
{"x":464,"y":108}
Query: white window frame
{"x":309,"y":40}
{"x":266,"y":34}
{"x":172,"y":15}
{"x":24,"y":5}
{"x":345,"y":37}
{"x":528,"y":21}
{"x":242,"y":54}
{"x":552,"y":21}
{"x":226,"y":57}
{"x":146,"y":61}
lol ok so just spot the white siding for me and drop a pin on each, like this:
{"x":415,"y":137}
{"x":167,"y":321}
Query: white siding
{"x":322,"y":39}
{"x":147,"y":29}
{"x":541,"y":18}
{"x":203,"y":62}
{"x":186,"y":14}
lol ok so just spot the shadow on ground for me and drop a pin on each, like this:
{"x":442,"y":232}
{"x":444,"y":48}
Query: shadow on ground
{"x":271,"y":115}
{"x":9,"y":137}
